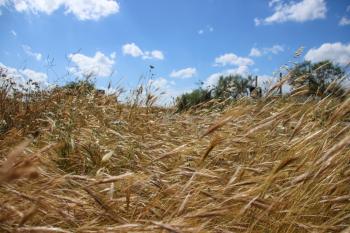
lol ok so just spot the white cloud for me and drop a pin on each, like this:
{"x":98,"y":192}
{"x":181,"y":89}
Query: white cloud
{"x":36,"y":6}
{"x":257,"y":21}
{"x":21,"y":76}
{"x":82,"y":9}
{"x":344,"y":21}
{"x":275,"y":49}
{"x":208,"y":28}
{"x":35,"y":76}
{"x":301,"y":11}
{"x":165,"y":90}
{"x":90,"y":9}
{"x":155,"y":54}
{"x":13,"y":33}
{"x":160,"y":83}
{"x":184,"y":73}
{"x":254,"y":52}
{"x":212,"y":80}
{"x":336,"y":52}
{"x":99,"y":65}
{"x":233,"y":59}
{"x":28,"y":50}
{"x":266,"y":82}
{"x":133,"y":50}
{"x":242,"y":68}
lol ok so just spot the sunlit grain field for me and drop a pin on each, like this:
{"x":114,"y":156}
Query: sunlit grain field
{"x":86,"y":163}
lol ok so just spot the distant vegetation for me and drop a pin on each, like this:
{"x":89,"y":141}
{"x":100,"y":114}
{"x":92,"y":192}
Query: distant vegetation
{"x":318,"y":79}
{"x":312,"y":79}
{"x":227,"y":87}
{"x":193,"y":98}
{"x":83,"y":85}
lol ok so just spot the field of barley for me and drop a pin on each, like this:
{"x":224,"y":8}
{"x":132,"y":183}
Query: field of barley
{"x":86,"y":163}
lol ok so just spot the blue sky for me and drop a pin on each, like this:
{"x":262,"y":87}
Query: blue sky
{"x":186,"y":40}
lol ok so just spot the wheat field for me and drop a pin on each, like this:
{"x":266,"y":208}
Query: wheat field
{"x":86,"y":163}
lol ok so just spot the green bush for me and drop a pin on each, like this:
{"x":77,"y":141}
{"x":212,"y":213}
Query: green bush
{"x":81,"y":85}
{"x":193,"y":98}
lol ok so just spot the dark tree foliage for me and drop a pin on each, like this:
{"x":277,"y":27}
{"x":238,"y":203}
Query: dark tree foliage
{"x":81,"y":84}
{"x":232,"y":86}
{"x":227,"y":87}
{"x":197,"y":96}
{"x":320,"y":78}
{"x":78,"y":88}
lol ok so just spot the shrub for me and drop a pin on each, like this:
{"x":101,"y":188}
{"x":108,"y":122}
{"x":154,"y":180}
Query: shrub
{"x":193,"y":98}
{"x":83,"y":86}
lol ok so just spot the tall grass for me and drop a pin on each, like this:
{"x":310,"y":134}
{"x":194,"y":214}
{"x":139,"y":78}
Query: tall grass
{"x":266,"y":165}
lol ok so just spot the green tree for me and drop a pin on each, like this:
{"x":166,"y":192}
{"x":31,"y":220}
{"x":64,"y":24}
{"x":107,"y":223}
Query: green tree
{"x":81,"y":84}
{"x":320,"y":78}
{"x":193,"y":98}
{"x":232,"y":86}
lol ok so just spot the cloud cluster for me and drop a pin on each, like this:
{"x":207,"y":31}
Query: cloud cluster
{"x":28,"y":50}
{"x":99,"y":65}
{"x":266,"y":82}
{"x":345,"y":20}
{"x":21,"y":76}
{"x":208,"y":28}
{"x":300,"y":11}
{"x":184,"y":73}
{"x":255,"y":52}
{"x":233,"y":59}
{"x":160,"y":83}
{"x":166,"y":90}
{"x":38,"y":77}
{"x":336,"y":52}
{"x":242,"y":67}
{"x":276,"y":49}
{"x":133,"y":50}
{"x":212,"y":80}
{"x":82,"y":9}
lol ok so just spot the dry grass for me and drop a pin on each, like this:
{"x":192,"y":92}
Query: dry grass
{"x":274,"y":165}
